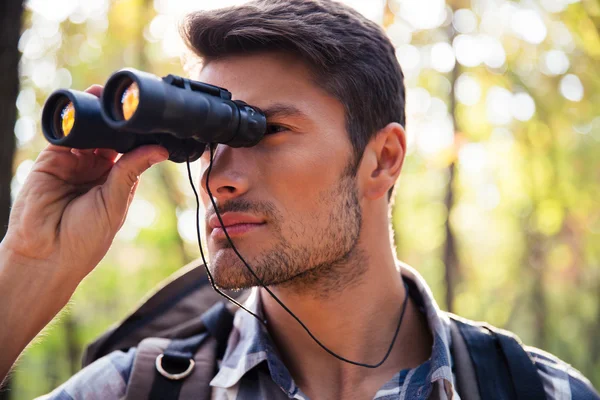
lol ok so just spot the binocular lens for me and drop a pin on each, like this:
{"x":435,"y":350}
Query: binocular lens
{"x":130,"y":100}
{"x":67,"y":120}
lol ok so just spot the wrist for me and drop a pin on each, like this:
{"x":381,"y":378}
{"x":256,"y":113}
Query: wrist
{"x":29,"y":303}
{"x":35,"y":281}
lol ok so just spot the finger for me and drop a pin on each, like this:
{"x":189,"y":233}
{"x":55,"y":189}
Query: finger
{"x":83,"y":152}
{"x":98,"y":182}
{"x":60,"y":149}
{"x":123,"y":177}
{"x":108,"y":154}
{"x":83,"y":167}
{"x":96,"y":90}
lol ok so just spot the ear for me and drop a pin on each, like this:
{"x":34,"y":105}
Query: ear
{"x":382,"y":160}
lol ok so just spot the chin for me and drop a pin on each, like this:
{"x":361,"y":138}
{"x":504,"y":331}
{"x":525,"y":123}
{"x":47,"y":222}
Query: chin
{"x":229,"y":272}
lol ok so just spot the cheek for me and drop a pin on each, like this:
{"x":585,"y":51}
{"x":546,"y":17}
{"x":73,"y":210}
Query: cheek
{"x":300,"y":179}
{"x":204,"y":200}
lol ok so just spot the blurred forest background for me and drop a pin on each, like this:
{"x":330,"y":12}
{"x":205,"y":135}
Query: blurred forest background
{"x":498,"y":205}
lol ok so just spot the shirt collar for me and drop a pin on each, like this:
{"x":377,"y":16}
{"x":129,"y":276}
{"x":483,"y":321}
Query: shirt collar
{"x":250,"y":344}
{"x":439,"y":323}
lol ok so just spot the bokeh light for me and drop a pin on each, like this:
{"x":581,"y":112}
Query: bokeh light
{"x":571,"y":87}
{"x":554,"y":62}
{"x":464,"y":21}
{"x":468,"y":90}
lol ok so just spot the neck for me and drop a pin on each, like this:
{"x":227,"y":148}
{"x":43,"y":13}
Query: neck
{"x":356,"y":322}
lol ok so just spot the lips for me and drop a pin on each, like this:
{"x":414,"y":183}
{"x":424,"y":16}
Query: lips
{"x":230,"y":219}
{"x":235,"y":223}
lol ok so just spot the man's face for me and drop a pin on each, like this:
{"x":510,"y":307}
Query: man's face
{"x":291,"y":203}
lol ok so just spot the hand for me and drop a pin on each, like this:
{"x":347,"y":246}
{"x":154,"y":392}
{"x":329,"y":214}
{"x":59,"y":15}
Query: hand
{"x":61,"y":225}
{"x":71,"y":206}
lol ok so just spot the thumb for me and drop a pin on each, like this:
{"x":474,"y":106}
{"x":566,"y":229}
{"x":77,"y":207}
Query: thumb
{"x":124,"y":176}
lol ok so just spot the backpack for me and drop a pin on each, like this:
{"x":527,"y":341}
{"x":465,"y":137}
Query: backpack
{"x":182,"y":329}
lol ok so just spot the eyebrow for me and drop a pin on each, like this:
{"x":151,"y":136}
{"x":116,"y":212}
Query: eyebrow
{"x":282,"y":110}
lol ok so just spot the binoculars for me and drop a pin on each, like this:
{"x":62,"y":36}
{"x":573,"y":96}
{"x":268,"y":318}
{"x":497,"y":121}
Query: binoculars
{"x":138,"y":108}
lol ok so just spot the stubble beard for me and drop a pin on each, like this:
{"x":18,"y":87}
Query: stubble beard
{"x":328,"y":262}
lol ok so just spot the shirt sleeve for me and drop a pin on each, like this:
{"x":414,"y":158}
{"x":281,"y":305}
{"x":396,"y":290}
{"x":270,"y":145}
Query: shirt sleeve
{"x":560,"y":380}
{"x":104,"y":379}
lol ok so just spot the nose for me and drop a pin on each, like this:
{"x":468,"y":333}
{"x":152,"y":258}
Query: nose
{"x":228,"y":178}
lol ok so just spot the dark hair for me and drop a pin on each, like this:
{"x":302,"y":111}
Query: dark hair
{"x":350,"y":56}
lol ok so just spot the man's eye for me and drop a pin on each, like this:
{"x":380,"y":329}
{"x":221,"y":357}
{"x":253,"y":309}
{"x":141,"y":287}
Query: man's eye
{"x":272,"y":128}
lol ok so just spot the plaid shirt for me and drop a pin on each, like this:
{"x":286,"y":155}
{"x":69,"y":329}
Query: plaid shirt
{"x":251,"y":368}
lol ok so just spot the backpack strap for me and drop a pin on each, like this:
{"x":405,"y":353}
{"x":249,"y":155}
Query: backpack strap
{"x":502,"y":367}
{"x":172,"y":311}
{"x":466,"y":380}
{"x":523,"y":371}
{"x":219,"y":322}
{"x":196,"y":386}
{"x":167,"y":369}
{"x":173,"y":365}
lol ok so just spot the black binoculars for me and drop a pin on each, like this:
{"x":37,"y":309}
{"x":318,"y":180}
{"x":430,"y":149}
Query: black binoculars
{"x":138,"y":108}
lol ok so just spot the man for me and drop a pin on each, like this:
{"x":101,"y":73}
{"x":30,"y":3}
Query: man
{"x":308,"y":208}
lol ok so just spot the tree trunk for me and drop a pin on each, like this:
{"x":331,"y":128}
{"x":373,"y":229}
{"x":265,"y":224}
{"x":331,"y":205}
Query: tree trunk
{"x":10,"y":29}
{"x":450,"y":256}
{"x":538,"y":292}
{"x":72,"y":343}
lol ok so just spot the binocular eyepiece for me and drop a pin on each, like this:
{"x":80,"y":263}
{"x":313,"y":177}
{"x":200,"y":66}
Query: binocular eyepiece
{"x":138,"y":108}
